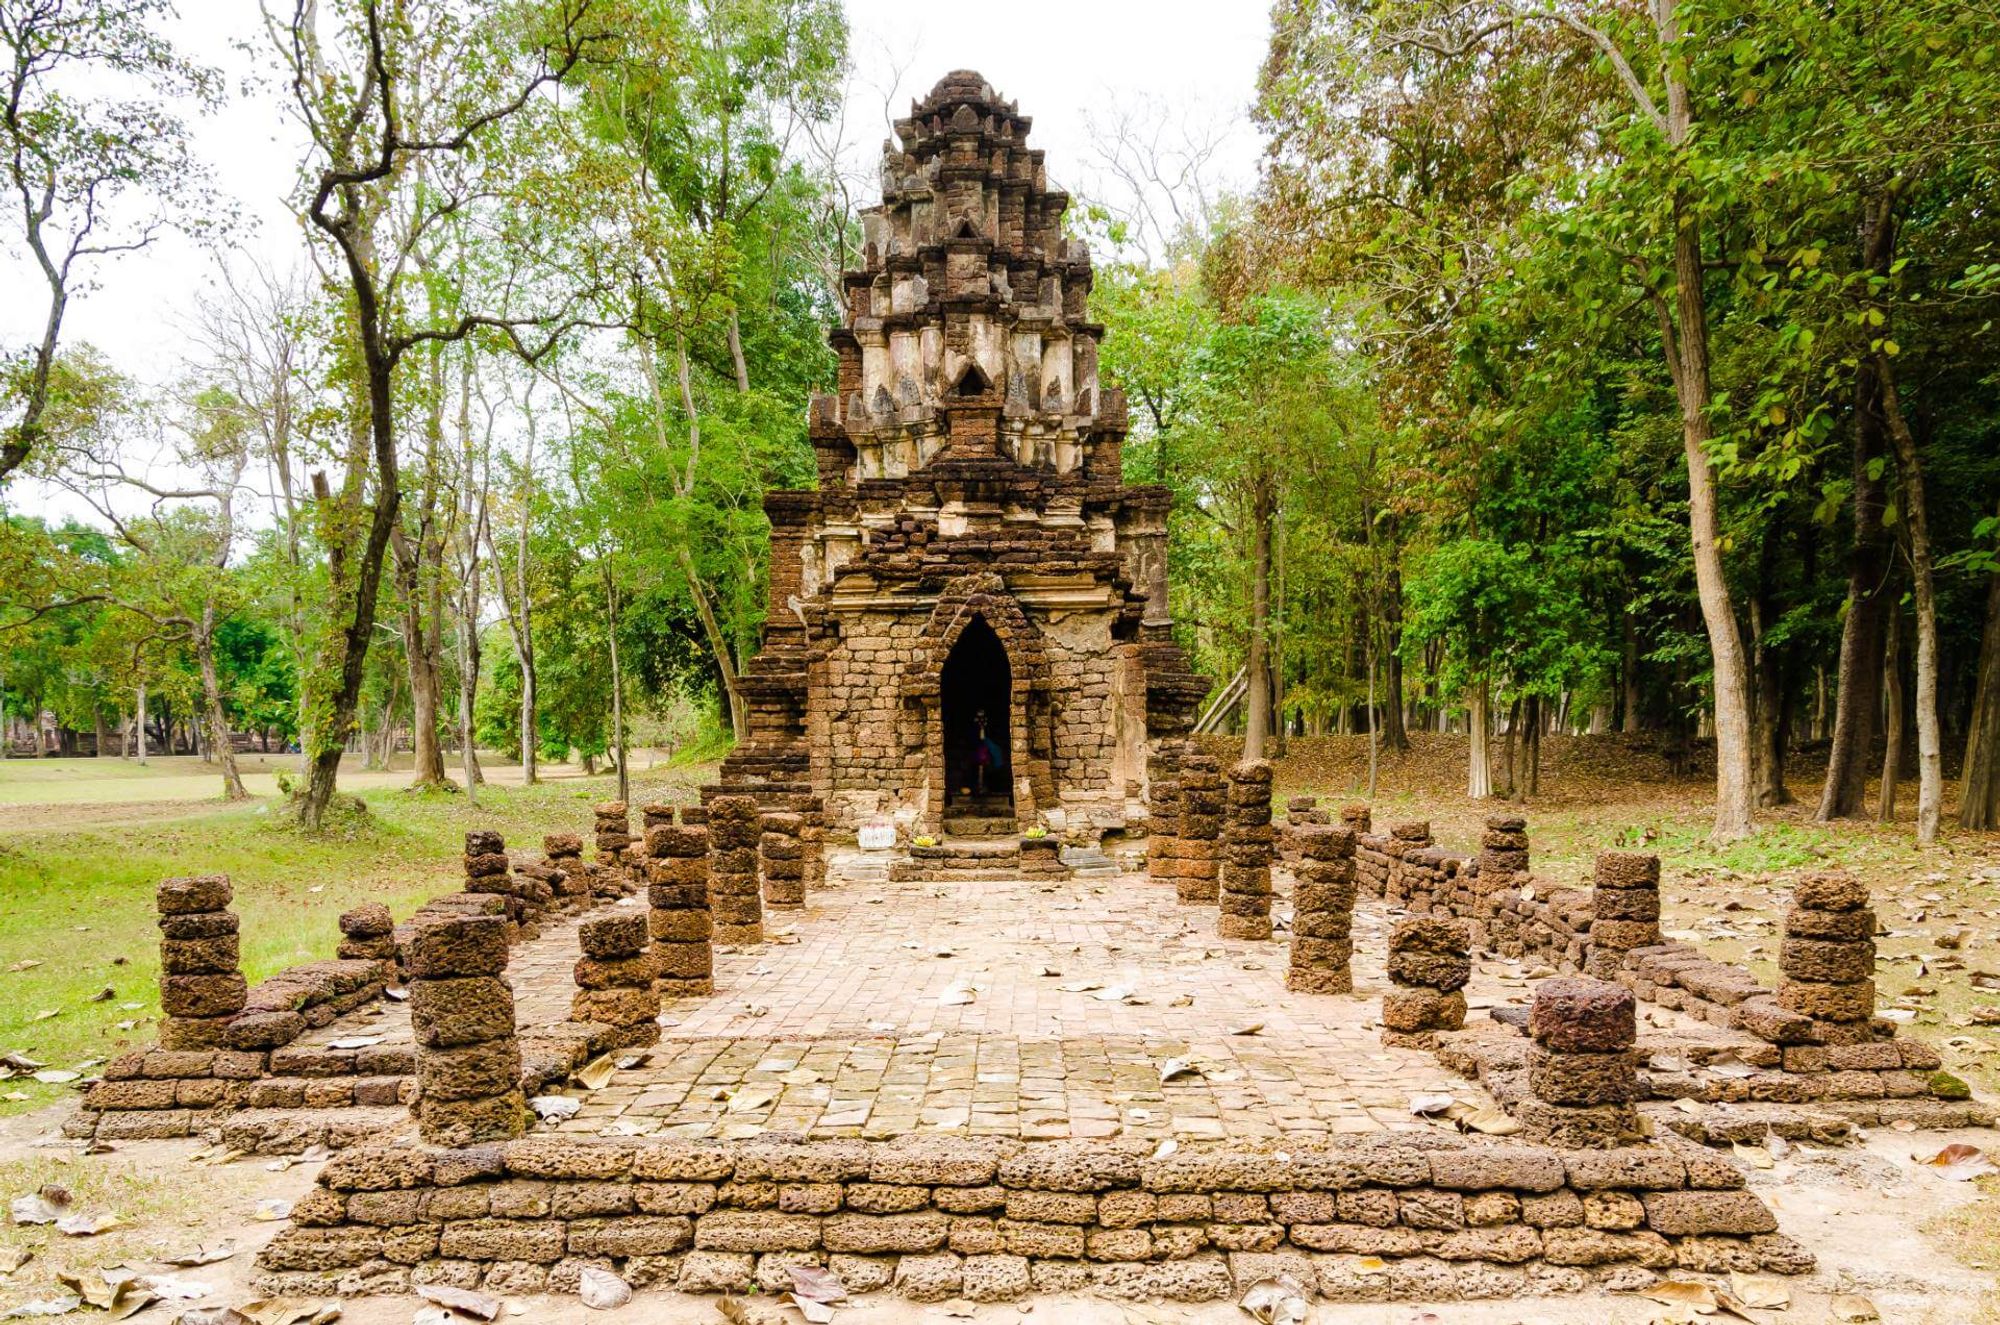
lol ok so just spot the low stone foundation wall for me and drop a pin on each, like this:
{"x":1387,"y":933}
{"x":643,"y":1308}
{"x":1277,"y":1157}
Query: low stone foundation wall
{"x":1428,"y":1216}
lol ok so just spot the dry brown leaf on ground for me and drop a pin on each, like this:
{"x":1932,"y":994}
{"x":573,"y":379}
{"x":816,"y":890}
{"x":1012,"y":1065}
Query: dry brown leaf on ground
{"x":464,"y":1301}
{"x":1278,"y":1301}
{"x":1679,"y":1293}
{"x":596,"y":1074}
{"x":1850,"y":1309}
{"x":1959,"y":1162}
{"x":1765,"y":1292}
{"x":42,"y":1207}
{"x":117,"y":1293}
{"x":602,"y":1290}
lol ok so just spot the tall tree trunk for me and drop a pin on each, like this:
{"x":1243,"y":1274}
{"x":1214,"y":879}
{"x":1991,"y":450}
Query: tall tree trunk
{"x":1684,"y":335}
{"x":139,"y":724}
{"x":1277,"y":611}
{"x":1916,"y":519}
{"x":1531,"y":749}
{"x":736,"y":354}
{"x":617,"y":686}
{"x":211,"y":693}
{"x":1509,"y":746}
{"x":1892,"y":697}
{"x":1394,"y":733}
{"x":1733,"y":794}
{"x":354,"y":582}
{"x":1979,"y":786}
{"x":1629,"y":680}
{"x":420,"y":653}
{"x":1257,"y":697}
{"x":1478,"y":766}
{"x":1768,"y":711}
{"x":1858,"y":681}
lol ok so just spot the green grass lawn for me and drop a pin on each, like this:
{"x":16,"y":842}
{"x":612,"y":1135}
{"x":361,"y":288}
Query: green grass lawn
{"x":76,"y":890}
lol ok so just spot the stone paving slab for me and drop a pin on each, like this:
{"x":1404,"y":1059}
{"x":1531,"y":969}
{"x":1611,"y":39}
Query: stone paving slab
{"x":1012,"y":1007}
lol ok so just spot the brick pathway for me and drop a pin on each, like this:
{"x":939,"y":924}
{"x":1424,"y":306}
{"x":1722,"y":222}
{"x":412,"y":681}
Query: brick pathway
{"x":852,"y":1021}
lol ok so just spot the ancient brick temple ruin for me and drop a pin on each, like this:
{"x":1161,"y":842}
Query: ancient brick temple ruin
{"x":968,"y":618}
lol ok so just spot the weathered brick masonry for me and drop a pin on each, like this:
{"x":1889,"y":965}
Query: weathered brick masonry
{"x":988,"y":1220}
{"x":970,"y":506}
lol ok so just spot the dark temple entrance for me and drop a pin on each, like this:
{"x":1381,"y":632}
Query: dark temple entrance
{"x":976,"y":689}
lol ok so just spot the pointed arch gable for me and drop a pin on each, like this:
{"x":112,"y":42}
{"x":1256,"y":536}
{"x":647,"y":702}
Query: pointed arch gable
{"x":978,"y":597}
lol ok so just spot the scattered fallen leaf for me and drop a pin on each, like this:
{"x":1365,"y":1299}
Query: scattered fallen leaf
{"x":289,"y":1311}
{"x":1430,"y":1103}
{"x":1277,"y":1301}
{"x":751,"y":1096}
{"x":595,"y":1074}
{"x":554,"y":1108}
{"x":1253,"y":1028}
{"x":602,"y":1290}
{"x":1765,"y":1292}
{"x":88,"y":1225}
{"x":43,"y":1207}
{"x":1678,"y":1293}
{"x":479,"y":1306}
{"x":203,"y":1255}
{"x":1849,"y":1308}
{"x":47,"y":1306}
{"x":1959,"y":1162}
{"x":272,"y":1209}
{"x":1757,"y":1157}
{"x":116,"y":1292}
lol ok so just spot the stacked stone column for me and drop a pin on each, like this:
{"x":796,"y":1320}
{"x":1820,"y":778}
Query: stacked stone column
{"x":613,"y":832}
{"x":678,"y":910}
{"x":1199,"y":841}
{"x":1163,"y":810}
{"x":654,"y":814}
{"x":1625,"y":909}
{"x":734,"y":827}
{"x":368,"y":934}
{"x":1412,"y":835}
{"x":1583,"y":1077}
{"x":1827,"y":961}
{"x":812,"y":843}
{"x":781,"y":856}
{"x":462,"y":1014}
{"x":1358,"y":818}
{"x":487,"y":870}
{"x":565,"y":858}
{"x":1246,"y":853}
{"x":615,"y":980}
{"x":201,"y":985}
{"x":1323,"y":912}
{"x":1430,"y":961}
{"x":1503,"y":848}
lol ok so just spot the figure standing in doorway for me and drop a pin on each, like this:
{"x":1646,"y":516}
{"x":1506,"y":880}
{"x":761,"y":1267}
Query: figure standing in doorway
{"x":986,"y":753}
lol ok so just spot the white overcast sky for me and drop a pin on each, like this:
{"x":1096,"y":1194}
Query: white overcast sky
{"x":1065,"y":61}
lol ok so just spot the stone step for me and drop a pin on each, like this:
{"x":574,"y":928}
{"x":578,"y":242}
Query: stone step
{"x":910,"y":871}
{"x":970,"y":826}
{"x":292,"y":1131}
{"x":1089,"y":863}
{"x":332,"y":1092}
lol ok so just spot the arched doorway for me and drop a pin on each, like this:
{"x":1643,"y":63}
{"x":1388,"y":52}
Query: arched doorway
{"x":976,"y":690}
